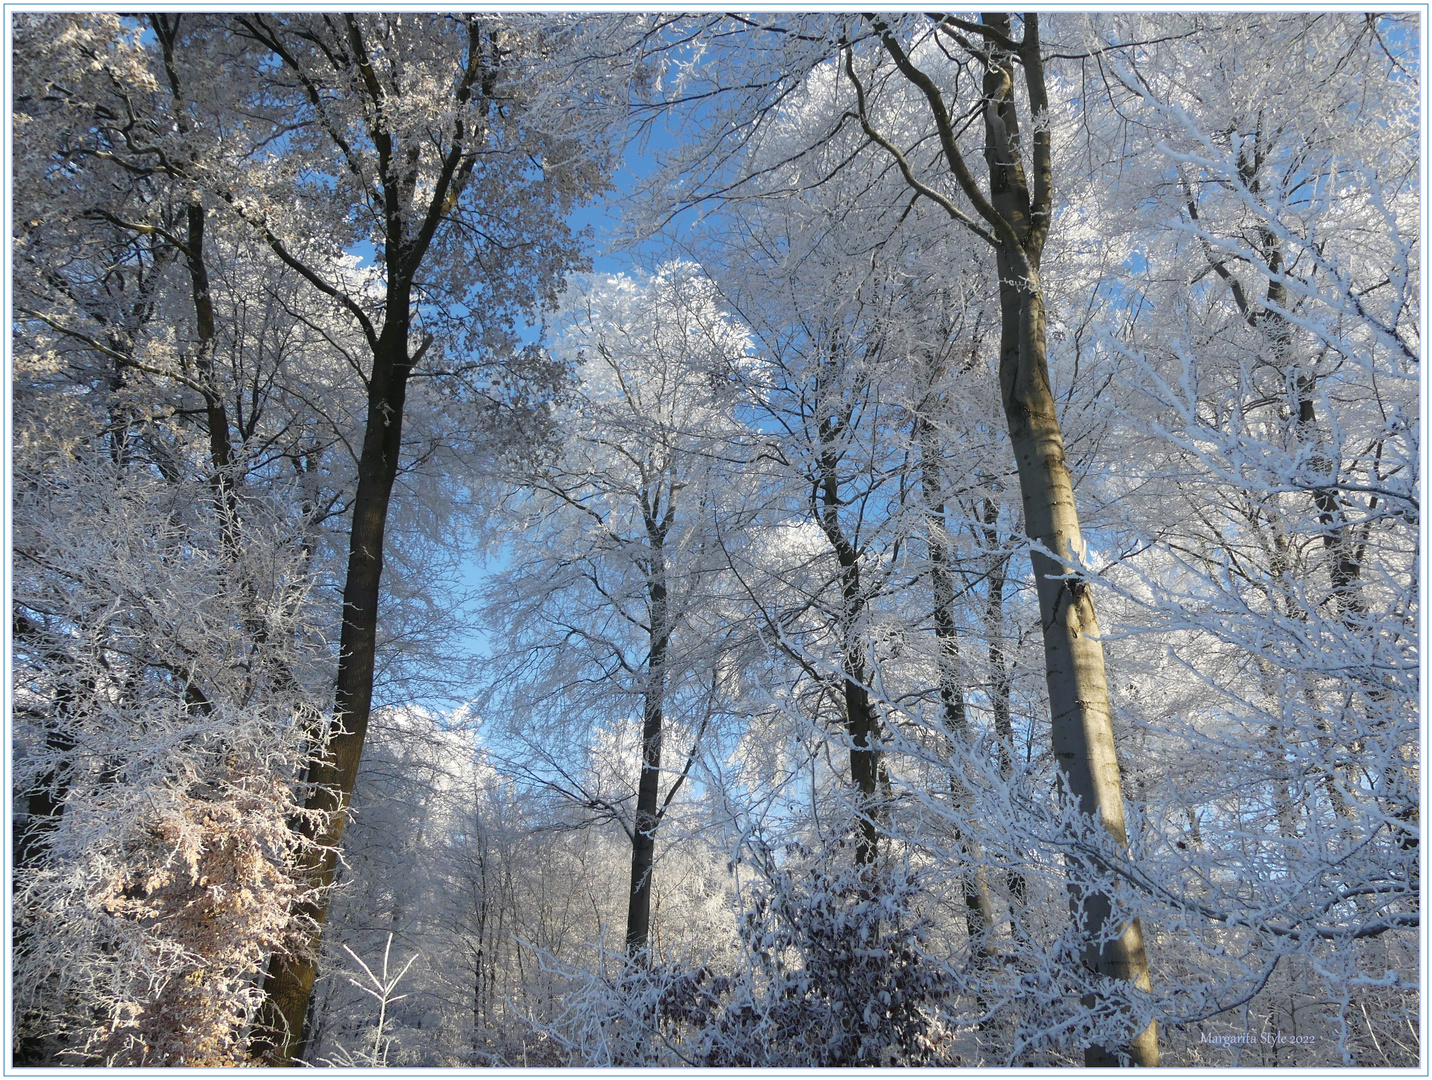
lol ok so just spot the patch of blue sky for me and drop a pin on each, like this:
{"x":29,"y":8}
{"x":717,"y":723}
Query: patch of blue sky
{"x":365,"y":252}
{"x":147,"y":37}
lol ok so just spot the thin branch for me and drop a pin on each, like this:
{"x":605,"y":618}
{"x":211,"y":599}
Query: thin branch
{"x":904,"y":166}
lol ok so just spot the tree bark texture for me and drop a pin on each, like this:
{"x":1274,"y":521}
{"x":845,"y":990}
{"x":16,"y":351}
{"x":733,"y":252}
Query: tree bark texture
{"x":331,"y":776}
{"x":1016,"y":216}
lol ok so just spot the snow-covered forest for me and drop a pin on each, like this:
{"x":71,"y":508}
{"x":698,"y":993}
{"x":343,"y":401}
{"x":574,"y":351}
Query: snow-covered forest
{"x":775,"y":540}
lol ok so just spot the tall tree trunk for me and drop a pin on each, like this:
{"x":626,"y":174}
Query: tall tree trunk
{"x":1081,"y":724}
{"x":221,"y":454}
{"x":1338,"y":538}
{"x":1016,"y":216}
{"x":860,"y":722}
{"x":332,"y":775}
{"x":1001,"y":686}
{"x":411,"y":217}
{"x":643,"y":841}
{"x":166,"y":31}
{"x":1344,"y":553}
{"x":979,"y":905}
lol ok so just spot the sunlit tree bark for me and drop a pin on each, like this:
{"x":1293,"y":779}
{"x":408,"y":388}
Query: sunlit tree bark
{"x":1013,"y":217}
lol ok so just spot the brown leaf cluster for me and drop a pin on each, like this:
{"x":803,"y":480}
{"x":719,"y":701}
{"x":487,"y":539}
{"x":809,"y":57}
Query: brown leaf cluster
{"x":211,"y":890}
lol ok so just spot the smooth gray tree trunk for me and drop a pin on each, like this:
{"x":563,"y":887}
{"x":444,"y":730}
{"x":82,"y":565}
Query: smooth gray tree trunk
{"x":1014,"y":219}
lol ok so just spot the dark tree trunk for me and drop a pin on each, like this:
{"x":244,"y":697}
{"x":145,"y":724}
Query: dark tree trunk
{"x":979,"y":905}
{"x":643,"y":841}
{"x":46,"y":801}
{"x":332,"y":775}
{"x":409,"y":227}
{"x":860,"y":722}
